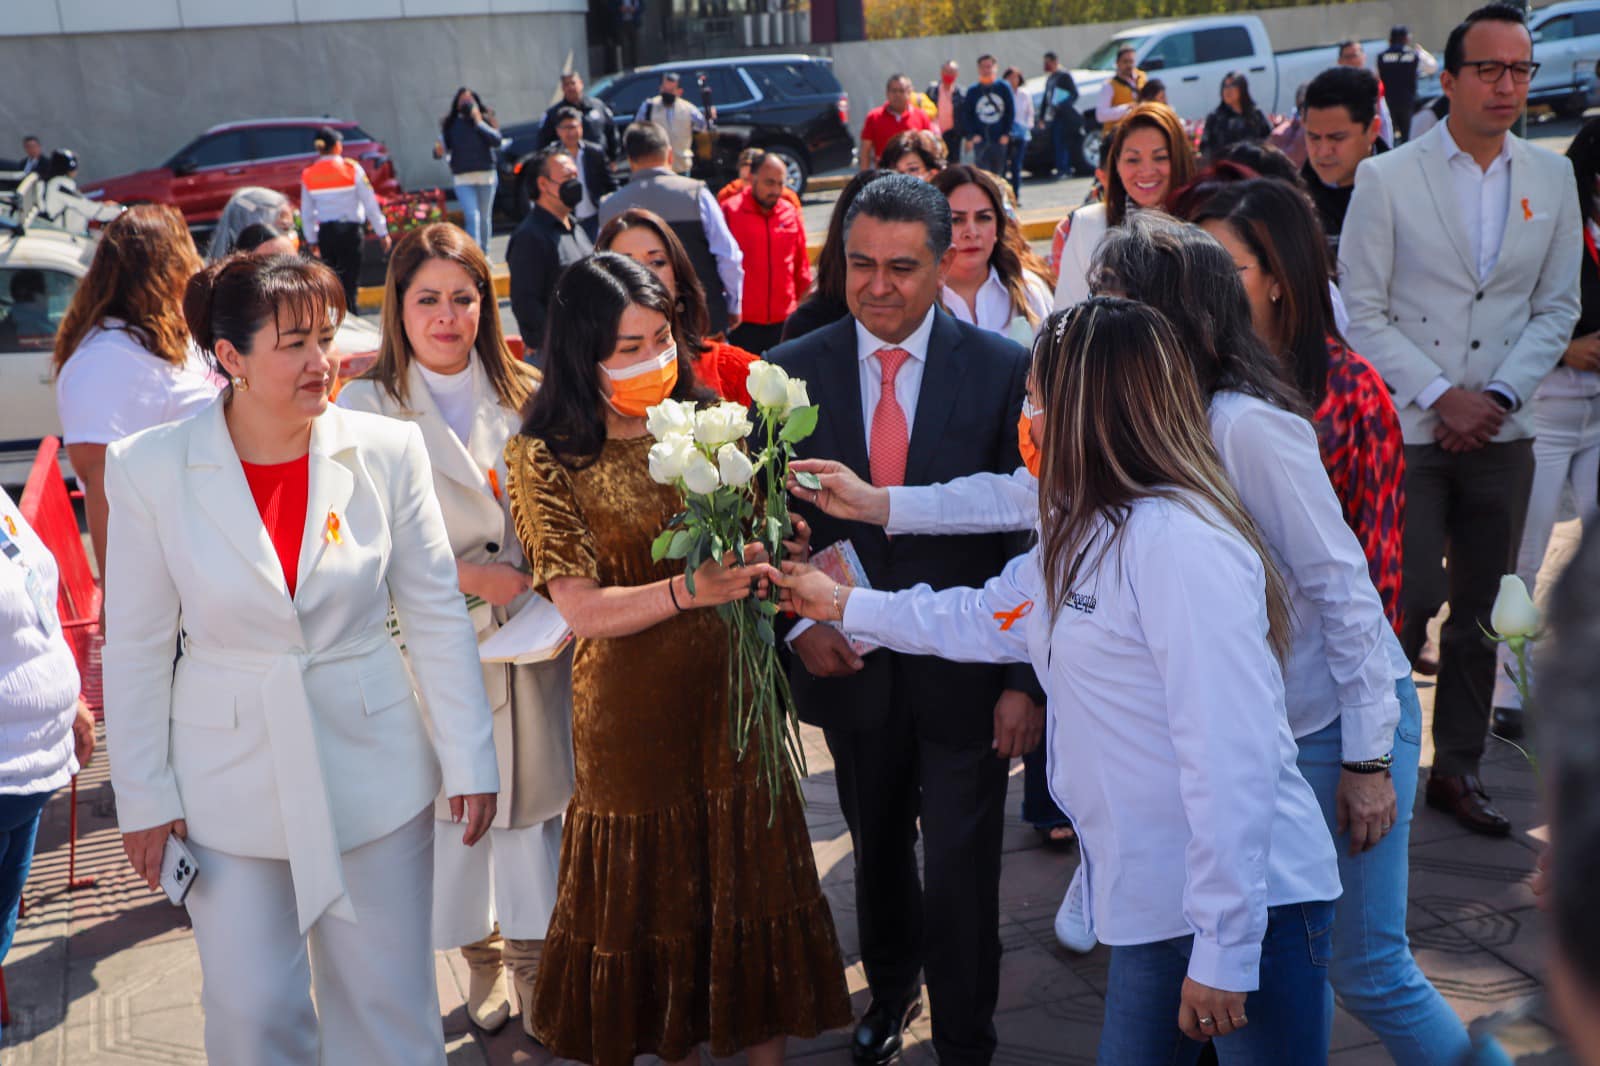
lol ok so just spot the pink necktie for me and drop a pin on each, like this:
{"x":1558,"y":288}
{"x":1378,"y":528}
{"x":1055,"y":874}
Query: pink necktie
{"x":890,"y":437}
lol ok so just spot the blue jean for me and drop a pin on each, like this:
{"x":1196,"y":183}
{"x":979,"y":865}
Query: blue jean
{"x":1016,"y":150}
{"x":1038,"y":808}
{"x":1066,"y":143}
{"x":1373,"y":971}
{"x":477,"y":211}
{"x":1290,"y":1014}
{"x":990,"y":155}
{"x":19,"y":827}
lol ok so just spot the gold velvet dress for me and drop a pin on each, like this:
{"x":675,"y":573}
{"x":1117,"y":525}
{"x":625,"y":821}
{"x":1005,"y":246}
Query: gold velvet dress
{"x":681,"y":917}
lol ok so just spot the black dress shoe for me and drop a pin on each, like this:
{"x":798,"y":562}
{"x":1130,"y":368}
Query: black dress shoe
{"x":878,"y":1035}
{"x":1507,"y":723}
{"x":1462,"y":795}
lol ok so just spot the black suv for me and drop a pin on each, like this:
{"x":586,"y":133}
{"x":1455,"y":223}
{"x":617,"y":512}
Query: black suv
{"x":791,"y":105}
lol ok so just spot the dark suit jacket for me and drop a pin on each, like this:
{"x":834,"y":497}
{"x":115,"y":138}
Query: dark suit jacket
{"x":965,"y":422}
{"x":596,"y":171}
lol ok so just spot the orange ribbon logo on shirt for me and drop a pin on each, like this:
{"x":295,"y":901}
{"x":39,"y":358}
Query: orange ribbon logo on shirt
{"x":1007,"y":619}
{"x":1527,"y":212}
{"x":333,"y":536}
{"x":494,"y":482}
{"x":11,"y":527}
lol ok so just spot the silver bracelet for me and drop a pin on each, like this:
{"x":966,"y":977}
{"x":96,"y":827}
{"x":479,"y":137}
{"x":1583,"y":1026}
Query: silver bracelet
{"x":837,"y":610}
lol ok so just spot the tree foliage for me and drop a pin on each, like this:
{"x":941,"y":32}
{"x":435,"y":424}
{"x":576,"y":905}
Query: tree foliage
{"x":933,"y":18}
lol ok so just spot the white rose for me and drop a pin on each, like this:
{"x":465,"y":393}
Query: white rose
{"x":735,"y":466}
{"x":768,"y":384}
{"x":798,"y":397}
{"x":1514,"y":616}
{"x":700,"y":476}
{"x":721,"y":424}
{"x":670,"y":456}
{"x":669,"y":417}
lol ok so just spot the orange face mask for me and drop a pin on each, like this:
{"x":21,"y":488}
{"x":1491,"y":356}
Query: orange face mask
{"x":643,"y":385}
{"x":1030,"y":453}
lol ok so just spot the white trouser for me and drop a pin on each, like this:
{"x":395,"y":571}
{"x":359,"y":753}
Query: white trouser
{"x":373,"y":979}
{"x":508,"y":877}
{"x":1566,"y":453}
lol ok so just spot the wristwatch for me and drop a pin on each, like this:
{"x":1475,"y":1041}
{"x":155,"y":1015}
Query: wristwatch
{"x":1371,"y":766}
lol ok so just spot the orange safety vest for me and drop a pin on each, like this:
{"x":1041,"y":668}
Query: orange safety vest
{"x":1121,"y":94}
{"x":329,"y":172}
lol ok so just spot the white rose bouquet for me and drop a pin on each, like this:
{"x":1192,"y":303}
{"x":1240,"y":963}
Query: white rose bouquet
{"x":1514,"y":621}
{"x":702,"y":452}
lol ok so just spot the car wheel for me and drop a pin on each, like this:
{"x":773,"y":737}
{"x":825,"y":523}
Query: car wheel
{"x":795,"y":163}
{"x":1091,"y":145}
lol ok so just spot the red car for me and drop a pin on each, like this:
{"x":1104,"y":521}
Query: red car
{"x":202,"y":175}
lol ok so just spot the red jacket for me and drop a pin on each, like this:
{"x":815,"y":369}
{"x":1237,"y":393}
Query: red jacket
{"x":777,"y":271}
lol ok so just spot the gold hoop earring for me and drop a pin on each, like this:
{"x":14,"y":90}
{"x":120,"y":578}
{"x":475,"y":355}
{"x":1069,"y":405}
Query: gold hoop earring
{"x":241,"y":384}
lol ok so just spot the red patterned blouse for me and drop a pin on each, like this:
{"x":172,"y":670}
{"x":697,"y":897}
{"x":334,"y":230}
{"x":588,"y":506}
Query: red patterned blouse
{"x":1358,"y":433}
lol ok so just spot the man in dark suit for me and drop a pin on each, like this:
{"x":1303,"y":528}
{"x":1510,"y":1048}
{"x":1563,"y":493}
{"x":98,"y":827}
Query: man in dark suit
{"x":593,"y":171}
{"x":599,"y":127}
{"x":915,"y":397}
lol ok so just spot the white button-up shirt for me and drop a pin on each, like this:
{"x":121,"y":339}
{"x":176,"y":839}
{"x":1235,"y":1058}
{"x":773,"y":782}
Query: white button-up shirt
{"x":994,"y":306}
{"x":1169,"y":747}
{"x":1345,"y":657}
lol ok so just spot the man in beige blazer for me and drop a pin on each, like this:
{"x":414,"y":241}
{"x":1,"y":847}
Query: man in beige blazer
{"x":1459,"y":267}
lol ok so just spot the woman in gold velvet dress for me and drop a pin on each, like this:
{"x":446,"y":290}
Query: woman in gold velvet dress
{"x":682,"y":917}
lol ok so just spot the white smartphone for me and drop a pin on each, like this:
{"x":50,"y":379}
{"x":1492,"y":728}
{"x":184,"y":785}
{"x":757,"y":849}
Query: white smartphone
{"x":178,"y":870}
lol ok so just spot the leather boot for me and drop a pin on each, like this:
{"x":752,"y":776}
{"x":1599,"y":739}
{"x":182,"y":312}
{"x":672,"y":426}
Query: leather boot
{"x":488,"y":1005}
{"x":522,"y":956}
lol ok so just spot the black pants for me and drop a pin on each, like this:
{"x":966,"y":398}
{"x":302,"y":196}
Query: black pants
{"x":1469,"y":506}
{"x":952,"y":146}
{"x":948,"y":924}
{"x":340,"y":245}
{"x":756,"y":337}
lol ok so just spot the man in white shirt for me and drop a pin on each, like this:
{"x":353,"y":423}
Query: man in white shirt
{"x":1460,"y":271}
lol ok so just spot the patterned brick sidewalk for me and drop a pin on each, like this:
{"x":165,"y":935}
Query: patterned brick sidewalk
{"x":109,"y":974}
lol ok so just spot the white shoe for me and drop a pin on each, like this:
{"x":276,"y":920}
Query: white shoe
{"x":1072,"y":920}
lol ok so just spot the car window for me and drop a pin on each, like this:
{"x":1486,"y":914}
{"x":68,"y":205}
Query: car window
{"x":1586,"y":23}
{"x":627,"y":94}
{"x":275,"y":142}
{"x":1105,"y":57}
{"x":1176,"y":50}
{"x":219,"y":149}
{"x":32,"y":303}
{"x":356,"y":133}
{"x":1557,"y":29}
{"x":784,"y":80}
{"x":727,"y":88}
{"x":1221,"y":44}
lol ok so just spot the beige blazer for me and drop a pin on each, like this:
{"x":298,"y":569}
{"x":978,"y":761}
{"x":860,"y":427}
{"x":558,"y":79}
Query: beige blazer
{"x":1418,"y":308}
{"x":289,"y":728}
{"x":532,"y":704}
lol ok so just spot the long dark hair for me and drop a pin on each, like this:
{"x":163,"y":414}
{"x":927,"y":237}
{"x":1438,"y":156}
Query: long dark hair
{"x":830,"y":271}
{"x":1125,"y":420}
{"x":450,"y":115}
{"x":1584,"y":151}
{"x":1247,"y":103}
{"x":1279,"y":226}
{"x":1182,"y":271}
{"x":691,"y":320}
{"x":585,"y":310}
{"x":1005,"y":260}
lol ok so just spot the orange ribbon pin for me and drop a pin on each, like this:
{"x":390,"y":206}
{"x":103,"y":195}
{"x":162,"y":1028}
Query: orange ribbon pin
{"x":1527,"y":212}
{"x":494,"y":482}
{"x":333,"y":536}
{"x":11,"y":527}
{"x":1007,"y":619}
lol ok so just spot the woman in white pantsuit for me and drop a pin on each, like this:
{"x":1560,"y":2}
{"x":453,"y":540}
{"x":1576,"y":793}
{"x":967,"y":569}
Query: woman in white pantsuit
{"x":444,"y":365}
{"x":287,"y":745}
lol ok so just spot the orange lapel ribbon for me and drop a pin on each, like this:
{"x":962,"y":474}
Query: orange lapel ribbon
{"x":333,"y":536}
{"x":494,"y":482}
{"x":11,"y":527}
{"x":1527,"y":212}
{"x":1007,"y":619}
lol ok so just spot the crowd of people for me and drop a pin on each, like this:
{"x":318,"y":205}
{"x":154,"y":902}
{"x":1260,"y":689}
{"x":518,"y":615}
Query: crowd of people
{"x":1166,"y":515}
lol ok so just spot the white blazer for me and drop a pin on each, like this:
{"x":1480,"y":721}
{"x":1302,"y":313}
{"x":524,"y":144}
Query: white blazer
{"x":1418,"y":308}
{"x":1077,"y":254}
{"x":289,"y":728}
{"x":477,"y":517}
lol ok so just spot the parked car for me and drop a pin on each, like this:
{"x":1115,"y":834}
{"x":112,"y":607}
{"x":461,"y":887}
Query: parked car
{"x":1191,"y":56}
{"x":40,"y":269}
{"x":203,"y":174}
{"x":791,"y":105}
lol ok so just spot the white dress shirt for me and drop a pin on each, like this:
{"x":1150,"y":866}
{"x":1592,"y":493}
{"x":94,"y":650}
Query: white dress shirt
{"x":1345,"y":657}
{"x":994,"y":306}
{"x":1169,"y":747}
{"x":1483,"y":203}
{"x":1106,"y":111}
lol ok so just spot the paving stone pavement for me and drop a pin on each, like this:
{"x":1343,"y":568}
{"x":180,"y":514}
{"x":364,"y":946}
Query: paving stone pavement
{"x":109,"y":975}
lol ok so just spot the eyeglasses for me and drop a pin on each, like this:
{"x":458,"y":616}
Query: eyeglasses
{"x":1491,"y":70}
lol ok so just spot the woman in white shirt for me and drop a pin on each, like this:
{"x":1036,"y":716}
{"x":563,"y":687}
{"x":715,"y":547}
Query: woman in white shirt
{"x":989,"y":285}
{"x":46,"y":734}
{"x":1209,"y":868}
{"x":444,"y":366}
{"x":123,"y":359}
{"x":1150,"y":157}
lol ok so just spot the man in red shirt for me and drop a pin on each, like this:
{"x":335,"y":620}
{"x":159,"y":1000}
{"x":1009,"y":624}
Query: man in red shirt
{"x":777,"y":272}
{"x":896,"y":115}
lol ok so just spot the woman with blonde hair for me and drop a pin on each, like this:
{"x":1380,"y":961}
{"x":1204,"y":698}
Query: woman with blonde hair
{"x":123,"y":359}
{"x":1150,"y":156}
{"x":444,"y":366}
{"x":989,"y":284}
{"x":1208,"y":867}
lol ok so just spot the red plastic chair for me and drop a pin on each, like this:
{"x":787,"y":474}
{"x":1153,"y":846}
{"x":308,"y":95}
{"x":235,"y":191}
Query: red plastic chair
{"x":48,"y":509}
